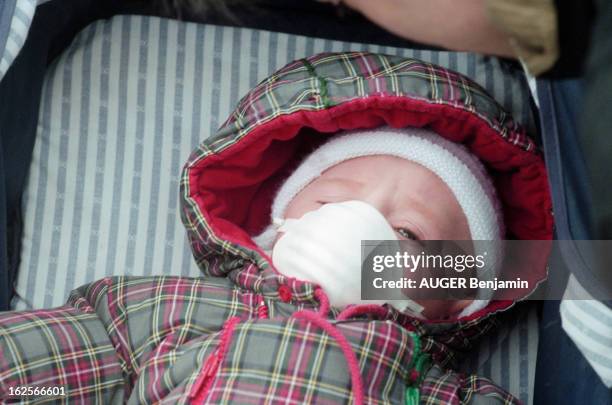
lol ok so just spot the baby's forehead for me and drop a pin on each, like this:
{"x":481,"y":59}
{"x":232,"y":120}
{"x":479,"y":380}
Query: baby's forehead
{"x":376,"y":167}
{"x":388,"y":177}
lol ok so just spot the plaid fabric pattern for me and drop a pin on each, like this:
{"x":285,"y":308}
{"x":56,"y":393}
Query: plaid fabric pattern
{"x":146,"y":340}
{"x":445,"y":387}
{"x":447,"y":342}
{"x":308,"y":366}
{"x":330,"y":79}
{"x":64,"y":347}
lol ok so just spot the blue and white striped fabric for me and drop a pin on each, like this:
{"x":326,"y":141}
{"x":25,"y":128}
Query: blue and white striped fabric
{"x":508,"y":355}
{"x":589,"y":324}
{"x":121,"y":110}
{"x":15,"y":19}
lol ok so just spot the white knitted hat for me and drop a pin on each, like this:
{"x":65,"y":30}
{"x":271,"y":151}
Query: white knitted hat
{"x":462,"y":172}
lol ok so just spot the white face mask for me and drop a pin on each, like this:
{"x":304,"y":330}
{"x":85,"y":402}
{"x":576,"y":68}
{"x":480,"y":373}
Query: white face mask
{"x":324,"y":247}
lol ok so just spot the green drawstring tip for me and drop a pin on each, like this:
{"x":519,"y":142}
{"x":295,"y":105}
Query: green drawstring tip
{"x":415,"y":375}
{"x":412,"y":396}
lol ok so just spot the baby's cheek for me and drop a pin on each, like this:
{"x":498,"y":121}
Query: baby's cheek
{"x":442,"y":309}
{"x":442,"y":293}
{"x":298,"y":207}
{"x":435,"y":309}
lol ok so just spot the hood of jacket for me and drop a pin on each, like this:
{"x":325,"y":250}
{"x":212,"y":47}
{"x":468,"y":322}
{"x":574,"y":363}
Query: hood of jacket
{"x":229,"y":181}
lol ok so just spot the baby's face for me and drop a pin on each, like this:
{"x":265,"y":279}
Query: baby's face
{"x":416,"y":202}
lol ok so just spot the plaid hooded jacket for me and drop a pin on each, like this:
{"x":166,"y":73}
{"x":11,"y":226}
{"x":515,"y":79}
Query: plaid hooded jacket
{"x":243,"y":333}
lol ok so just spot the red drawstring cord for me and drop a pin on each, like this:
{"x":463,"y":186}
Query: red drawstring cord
{"x":262,"y":309}
{"x":323,"y":301}
{"x":318,"y":318}
{"x":204,"y":381}
{"x":357,"y":310}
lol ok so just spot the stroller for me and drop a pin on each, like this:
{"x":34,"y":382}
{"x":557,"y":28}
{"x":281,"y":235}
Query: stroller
{"x":55,"y":83}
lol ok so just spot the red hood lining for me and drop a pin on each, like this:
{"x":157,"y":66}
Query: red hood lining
{"x":234,"y":188}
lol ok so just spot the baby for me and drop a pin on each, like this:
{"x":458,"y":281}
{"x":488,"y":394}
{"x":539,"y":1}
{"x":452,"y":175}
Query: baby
{"x":421,"y":186}
{"x":275,"y":319}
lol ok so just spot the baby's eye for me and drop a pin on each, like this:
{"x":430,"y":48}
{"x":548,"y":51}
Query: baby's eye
{"x":330,"y":200}
{"x":406,"y":233}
